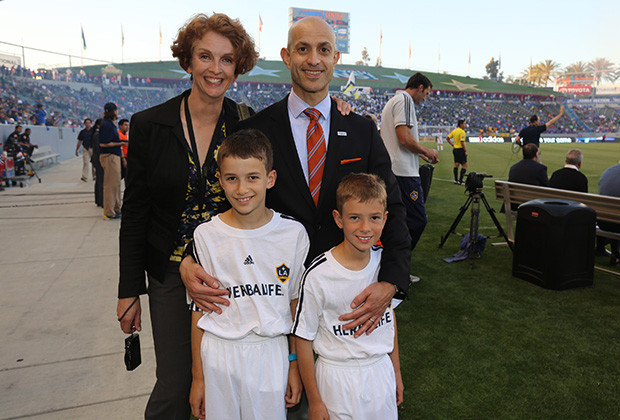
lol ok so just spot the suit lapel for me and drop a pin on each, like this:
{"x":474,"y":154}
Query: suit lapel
{"x":285,"y":146}
{"x":333,"y":146}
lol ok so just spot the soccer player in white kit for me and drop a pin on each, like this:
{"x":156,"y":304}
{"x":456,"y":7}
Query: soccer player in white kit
{"x":241,"y":365}
{"x":354,"y":378}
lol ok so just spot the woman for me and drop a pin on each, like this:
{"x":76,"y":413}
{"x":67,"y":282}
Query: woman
{"x":171,"y":187}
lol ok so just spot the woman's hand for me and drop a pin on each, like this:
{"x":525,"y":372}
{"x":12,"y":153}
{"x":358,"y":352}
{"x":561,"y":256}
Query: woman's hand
{"x":131,"y":322}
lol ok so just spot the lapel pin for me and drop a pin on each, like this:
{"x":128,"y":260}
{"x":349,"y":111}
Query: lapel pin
{"x":342,"y":133}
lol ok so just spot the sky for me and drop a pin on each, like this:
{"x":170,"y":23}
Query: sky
{"x":442,"y":34}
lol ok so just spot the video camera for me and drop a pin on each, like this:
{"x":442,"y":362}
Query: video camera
{"x":474,"y":181}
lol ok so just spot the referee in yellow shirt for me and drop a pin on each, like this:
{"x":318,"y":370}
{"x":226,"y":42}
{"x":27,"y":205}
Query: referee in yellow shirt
{"x":457,"y":140}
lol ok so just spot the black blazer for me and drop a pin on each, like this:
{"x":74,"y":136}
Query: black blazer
{"x":528,"y":171}
{"x":569,"y":179}
{"x":156,"y":184}
{"x":354,"y":146}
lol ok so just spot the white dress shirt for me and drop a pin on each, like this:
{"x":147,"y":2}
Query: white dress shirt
{"x":300,"y":121}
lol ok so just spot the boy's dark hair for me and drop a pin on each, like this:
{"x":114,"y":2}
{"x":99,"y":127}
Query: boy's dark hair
{"x":88,"y":119}
{"x":529,"y":151}
{"x":247,"y":144}
{"x":123,"y":121}
{"x":459,"y":122}
{"x":361,"y":187}
{"x":418,"y":79}
{"x":533,"y":119}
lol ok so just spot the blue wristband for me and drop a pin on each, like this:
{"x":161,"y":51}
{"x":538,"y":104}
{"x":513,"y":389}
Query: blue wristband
{"x":292,"y":357}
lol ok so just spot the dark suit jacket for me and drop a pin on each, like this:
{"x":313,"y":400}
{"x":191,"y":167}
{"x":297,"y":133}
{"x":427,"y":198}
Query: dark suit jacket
{"x":156,"y":185}
{"x":527,"y":171}
{"x":530,"y":172}
{"x":354,"y":146}
{"x":569,"y":179}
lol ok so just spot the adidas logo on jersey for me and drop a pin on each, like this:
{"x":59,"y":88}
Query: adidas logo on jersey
{"x":248,"y":260}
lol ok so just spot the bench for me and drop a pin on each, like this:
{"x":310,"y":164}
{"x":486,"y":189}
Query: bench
{"x":607,"y":208}
{"x":43,"y":155}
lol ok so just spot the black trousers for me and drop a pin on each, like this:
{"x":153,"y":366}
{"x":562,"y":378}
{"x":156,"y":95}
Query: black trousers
{"x":98,"y":182}
{"x":171,"y":323}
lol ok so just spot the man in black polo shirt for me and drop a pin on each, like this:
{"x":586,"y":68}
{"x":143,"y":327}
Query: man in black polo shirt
{"x":531,"y":133}
{"x":12,"y":147}
{"x":24,"y":142}
{"x":83,"y":140}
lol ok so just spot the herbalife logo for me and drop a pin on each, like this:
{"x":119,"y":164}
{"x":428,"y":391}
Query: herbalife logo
{"x":248,"y":260}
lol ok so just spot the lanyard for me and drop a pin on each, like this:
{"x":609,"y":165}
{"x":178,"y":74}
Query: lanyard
{"x":190,"y":130}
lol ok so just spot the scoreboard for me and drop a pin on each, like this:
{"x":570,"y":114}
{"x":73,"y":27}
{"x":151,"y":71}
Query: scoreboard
{"x":338,"y":20}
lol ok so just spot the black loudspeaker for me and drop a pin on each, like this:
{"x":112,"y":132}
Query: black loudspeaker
{"x":554,"y":244}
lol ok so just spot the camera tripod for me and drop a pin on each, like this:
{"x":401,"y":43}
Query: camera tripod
{"x":474,"y":198}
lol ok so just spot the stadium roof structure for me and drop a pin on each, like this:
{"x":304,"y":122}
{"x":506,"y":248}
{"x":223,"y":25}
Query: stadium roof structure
{"x":272,"y":71}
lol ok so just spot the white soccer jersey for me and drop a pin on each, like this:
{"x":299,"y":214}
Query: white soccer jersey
{"x":327,"y":290}
{"x":261,"y":268}
{"x":400,"y":110}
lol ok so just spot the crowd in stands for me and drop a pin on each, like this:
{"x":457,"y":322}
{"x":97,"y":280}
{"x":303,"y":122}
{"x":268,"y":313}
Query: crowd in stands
{"x":21,"y":90}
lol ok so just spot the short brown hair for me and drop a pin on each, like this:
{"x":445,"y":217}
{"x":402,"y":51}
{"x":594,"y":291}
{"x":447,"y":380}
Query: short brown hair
{"x":245,"y":144}
{"x":418,"y":79}
{"x":361,"y":187}
{"x":530,"y":151}
{"x":198,"y":25}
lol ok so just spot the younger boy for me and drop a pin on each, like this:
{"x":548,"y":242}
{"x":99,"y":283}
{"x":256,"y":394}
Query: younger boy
{"x":355,"y":378}
{"x":240,"y":358}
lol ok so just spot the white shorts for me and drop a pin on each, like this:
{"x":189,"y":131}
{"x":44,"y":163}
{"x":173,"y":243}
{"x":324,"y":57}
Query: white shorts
{"x":245,"y":379}
{"x":363,"y":389}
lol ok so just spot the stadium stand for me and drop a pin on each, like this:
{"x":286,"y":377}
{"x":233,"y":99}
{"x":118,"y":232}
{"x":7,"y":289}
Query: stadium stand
{"x":70,"y":97}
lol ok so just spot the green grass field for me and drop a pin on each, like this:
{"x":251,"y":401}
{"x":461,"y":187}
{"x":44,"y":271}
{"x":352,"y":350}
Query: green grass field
{"x":479,"y":344}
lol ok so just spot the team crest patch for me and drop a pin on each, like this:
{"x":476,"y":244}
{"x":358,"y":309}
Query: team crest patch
{"x":414,"y":195}
{"x":283,"y":273}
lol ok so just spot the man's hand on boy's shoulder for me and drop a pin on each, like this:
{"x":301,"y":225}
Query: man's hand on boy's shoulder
{"x":370,"y":306}
{"x":204,"y":290}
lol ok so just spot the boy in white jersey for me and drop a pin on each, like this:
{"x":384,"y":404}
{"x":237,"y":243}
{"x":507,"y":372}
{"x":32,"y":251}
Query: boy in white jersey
{"x":241,"y":363}
{"x":354,"y":378}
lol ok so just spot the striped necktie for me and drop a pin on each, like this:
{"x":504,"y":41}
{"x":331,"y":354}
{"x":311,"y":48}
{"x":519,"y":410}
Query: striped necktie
{"x":315,"y":140}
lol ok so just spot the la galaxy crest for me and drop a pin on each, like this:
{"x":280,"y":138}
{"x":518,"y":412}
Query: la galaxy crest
{"x":414,"y":195}
{"x":283,"y":272}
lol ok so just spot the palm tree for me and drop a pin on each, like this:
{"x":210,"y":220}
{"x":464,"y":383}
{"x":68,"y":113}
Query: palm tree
{"x":601,"y":69}
{"x":528,"y":76}
{"x":577,"y":70}
{"x":545,"y":70}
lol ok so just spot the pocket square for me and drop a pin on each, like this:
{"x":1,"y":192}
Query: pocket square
{"x":345,"y":161}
